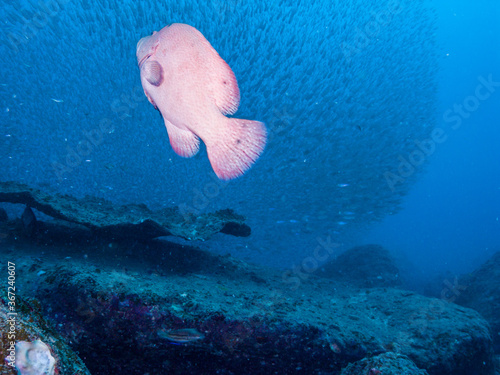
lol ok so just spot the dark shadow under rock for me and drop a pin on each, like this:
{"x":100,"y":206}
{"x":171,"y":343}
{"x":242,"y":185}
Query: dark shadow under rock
{"x":363,"y":266}
{"x":3,"y":215}
{"x":480,"y":291}
{"x":127,"y":221}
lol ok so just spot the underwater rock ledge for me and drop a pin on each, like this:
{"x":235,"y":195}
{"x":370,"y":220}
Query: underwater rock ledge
{"x":125,"y":221}
{"x":242,"y":319}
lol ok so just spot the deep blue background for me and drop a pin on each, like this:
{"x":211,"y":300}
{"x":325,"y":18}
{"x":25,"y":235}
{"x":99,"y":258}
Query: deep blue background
{"x":451,"y":218}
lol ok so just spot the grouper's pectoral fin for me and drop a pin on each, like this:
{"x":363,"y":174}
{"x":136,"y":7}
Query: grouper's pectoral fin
{"x":184,"y":142}
{"x":150,"y":99}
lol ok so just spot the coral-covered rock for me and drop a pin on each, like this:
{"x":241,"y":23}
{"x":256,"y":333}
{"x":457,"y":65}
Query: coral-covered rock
{"x":128,"y":221}
{"x":364,"y":266}
{"x":384,"y":364}
{"x":38,"y":345}
{"x":481,"y":291}
{"x":186,"y":311}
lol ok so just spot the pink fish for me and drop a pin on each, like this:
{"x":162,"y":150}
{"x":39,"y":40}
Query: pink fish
{"x":184,"y":77}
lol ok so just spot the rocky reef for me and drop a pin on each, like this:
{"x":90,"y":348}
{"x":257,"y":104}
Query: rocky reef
{"x":27,"y":324}
{"x":156,"y":307}
{"x":364,"y":266}
{"x":104,"y":219}
{"x":387,"y":364}
{"x":480,"y":291}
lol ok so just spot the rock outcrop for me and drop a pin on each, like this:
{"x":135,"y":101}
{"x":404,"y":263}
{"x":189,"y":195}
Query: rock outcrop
{"x":365,"y":266}
{"x":387,"y":364}
{"x":119,"y":305}
{"x":137,"y":221}
{"x":480,"y":291}
{"x":26,"y":323}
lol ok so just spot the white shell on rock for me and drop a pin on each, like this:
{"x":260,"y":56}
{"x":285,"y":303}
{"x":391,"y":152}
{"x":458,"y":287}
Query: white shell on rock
{"x":34,"y":358}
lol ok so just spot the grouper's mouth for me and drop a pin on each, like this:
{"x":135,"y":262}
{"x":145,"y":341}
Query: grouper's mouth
{"x":143,"y":60}
{"x":150,"y":50}
{"x":139,"y":45}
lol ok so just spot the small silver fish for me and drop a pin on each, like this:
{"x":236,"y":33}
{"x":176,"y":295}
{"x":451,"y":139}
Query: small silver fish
{"x":182,"y":335}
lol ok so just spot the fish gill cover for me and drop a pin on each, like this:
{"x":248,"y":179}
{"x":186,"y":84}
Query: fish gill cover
{"x":345,"y":89}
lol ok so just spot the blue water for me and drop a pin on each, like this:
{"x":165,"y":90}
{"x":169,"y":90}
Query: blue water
{"x":451,"y":218}
{"x":382,"y":118}
{"x":341,"y":110}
